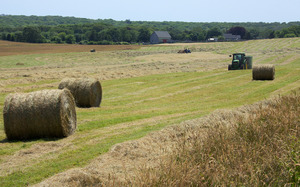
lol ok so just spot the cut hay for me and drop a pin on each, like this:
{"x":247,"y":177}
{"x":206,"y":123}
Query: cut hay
{"x":190,"y":145}
{"x":263,"y":72}
{"x":40,"y":114}
{"x":86,"y":92}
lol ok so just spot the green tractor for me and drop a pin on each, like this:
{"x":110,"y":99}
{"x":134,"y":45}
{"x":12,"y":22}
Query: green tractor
{"x":240,"y":61}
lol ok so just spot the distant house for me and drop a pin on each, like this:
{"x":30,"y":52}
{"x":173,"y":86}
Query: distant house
{"x":160,"y":37}
{"x":231,"y":37}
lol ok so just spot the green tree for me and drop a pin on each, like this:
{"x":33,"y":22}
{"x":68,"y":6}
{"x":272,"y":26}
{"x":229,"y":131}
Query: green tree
{"x":92,"y":35}
{"x":198,"y":34}
{"x":266,"y":33}
{"x":280,"y":33}
{"x":214,"y":32}
{"x":104,"y":35}
{"x":70,"y":39}
{"x":19,"y":36}
{"x":221,"y":38}
{"x":254,"y":33}
{"x":238,"y":31}
{"x":144,"y":35}
{"x":290,"y":35}
{"x":115,"y":34}
{"x":4,"y":36}
{"x":175,"y":33}
{"x":62,"y":36}
{"x":12,"y":37}
{"x":271,"y":35}
{"x":128,"y":34}
{"x":8,"y":37}
{"x":128,"y":21}
{"x":56,"y":39}
{"x":32,"y":35}
{"x":78,"y":37}
{"x":294,"y":30}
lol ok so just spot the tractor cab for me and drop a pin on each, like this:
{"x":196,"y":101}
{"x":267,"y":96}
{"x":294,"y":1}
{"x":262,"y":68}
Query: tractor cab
{"x":240,"y":61}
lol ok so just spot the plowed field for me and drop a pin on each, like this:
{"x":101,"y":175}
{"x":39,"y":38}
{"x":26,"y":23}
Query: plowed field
{"x":17,"y":48}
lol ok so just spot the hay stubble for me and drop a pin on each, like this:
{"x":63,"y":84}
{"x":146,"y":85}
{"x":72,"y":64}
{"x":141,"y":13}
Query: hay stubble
{"x":124,"y":99}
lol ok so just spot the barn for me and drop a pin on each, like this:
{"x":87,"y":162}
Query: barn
{"x":231,"y":37}
{"x":160,"y":37}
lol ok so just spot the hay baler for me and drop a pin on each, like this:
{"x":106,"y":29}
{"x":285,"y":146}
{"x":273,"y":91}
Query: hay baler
{"x":240,"y":61}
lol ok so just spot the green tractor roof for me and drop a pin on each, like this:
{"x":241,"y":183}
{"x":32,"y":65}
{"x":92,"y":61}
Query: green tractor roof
{"x":239,"y":54}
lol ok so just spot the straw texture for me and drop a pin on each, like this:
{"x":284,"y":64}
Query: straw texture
{"x":86,"y":92}
{"x":263,"y":72}
{"x":40,"y":114}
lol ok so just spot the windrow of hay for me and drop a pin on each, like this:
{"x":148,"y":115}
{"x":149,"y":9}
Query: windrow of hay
{"x":40,"y":114}
{"x":87,"y":92}
{"x":166,"y":158}
{"x":263,"y":72}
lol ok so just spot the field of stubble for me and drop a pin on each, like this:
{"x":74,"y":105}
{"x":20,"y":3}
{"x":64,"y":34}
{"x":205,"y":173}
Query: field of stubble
{"x":145,"y":88}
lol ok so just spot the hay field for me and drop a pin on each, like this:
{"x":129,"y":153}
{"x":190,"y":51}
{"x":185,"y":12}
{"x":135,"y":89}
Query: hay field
{"x":144,"y":89}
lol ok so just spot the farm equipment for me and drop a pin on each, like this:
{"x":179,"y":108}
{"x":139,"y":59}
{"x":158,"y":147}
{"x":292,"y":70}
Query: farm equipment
{"x":240,"y":61}
{"x":184,"y":51}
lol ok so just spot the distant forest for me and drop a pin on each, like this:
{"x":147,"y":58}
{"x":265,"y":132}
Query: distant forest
{"x":57,"y":29}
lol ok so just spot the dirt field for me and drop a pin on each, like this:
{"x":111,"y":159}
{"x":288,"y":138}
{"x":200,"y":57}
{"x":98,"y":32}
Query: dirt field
{"x":17,"y":48}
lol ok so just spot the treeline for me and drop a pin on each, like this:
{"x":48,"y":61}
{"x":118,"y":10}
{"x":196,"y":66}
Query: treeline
{"x":56,"y":29}
{"x":98,"y":33}
{"x":21,"y":21}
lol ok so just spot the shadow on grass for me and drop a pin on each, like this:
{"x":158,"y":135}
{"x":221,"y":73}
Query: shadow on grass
{"x":29,"y":140}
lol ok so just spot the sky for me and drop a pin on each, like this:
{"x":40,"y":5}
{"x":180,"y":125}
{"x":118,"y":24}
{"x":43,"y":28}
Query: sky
{"x":161,"y":10}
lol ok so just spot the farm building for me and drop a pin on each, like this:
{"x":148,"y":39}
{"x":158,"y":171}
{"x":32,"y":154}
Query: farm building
{"x":231,"y":37}
{"x":212,"y":39}
{"x":160,"y":37}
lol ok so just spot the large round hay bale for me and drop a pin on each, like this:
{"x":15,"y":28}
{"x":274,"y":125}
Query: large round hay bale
{"x":263,"y":72}
{"x":40,"y":114}
{"x":87,"y":92}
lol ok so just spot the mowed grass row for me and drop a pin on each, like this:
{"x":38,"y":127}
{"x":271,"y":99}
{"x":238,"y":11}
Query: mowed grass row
{"x":133,"y":107}
{"x":198,"y":94}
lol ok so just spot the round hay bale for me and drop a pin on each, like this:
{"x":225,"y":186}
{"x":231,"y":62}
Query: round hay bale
{"x":263,"y":72}
{"x":86,"y":92}
{"x":40,"y":114}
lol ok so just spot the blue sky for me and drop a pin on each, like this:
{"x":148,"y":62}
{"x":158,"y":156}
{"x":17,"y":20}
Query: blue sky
{"x":161,"y":10}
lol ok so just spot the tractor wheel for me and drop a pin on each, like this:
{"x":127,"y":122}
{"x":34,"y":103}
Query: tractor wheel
{"x":229,"y":67}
